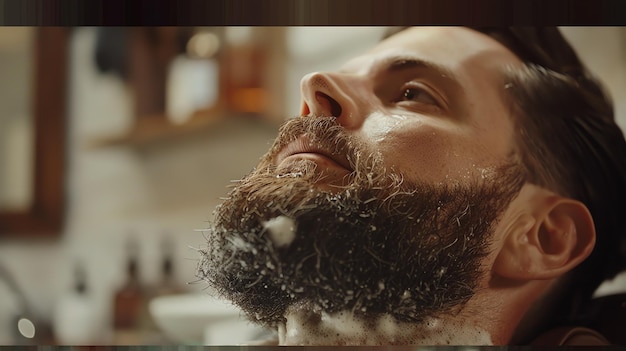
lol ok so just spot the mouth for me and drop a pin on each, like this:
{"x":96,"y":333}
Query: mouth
{"x":303,"y":148}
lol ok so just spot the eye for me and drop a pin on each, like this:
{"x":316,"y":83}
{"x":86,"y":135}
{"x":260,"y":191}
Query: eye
{"x":414,"y":92}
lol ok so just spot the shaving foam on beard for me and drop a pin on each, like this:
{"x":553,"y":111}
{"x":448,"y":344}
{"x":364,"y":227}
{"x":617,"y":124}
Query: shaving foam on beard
{"x":304,"y":327}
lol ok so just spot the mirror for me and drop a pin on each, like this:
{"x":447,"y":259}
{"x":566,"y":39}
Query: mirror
{"x":32,"y":115}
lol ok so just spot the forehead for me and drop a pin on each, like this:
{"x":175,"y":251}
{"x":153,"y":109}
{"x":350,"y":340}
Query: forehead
{"x":454,"y":47}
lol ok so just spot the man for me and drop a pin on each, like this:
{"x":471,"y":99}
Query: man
{"x":440,"y":189}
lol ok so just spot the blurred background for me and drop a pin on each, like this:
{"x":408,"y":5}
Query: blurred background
{"x":116,"y":144}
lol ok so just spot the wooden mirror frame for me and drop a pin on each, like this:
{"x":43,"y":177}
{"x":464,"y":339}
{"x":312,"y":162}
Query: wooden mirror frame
{"x":45,"y":216}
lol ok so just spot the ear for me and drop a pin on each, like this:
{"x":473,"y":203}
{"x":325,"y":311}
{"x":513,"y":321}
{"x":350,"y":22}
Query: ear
{"x":552,"y":237}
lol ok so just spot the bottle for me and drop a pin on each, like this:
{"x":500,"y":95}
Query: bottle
{"x":76,"y":318}
{"x":128,"y":302}
{"x":167,"y":285}
{"x":244,"y":71}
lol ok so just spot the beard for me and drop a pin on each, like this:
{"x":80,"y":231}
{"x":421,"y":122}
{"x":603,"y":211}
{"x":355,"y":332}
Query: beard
{"x":376,"y":244}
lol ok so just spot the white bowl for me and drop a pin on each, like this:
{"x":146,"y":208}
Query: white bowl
{"x":202,"y":320}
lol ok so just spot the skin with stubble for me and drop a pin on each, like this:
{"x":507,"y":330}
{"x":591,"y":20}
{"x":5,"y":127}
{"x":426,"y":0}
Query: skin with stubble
{"x":372,"y":217}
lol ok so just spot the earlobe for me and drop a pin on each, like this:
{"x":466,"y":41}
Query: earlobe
{"x":548,"y":242}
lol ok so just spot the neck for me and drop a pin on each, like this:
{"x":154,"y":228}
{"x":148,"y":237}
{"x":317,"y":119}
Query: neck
{"x":310,"y":327}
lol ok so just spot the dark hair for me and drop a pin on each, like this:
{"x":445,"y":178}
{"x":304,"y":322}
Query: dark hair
{"x":568,"y":142}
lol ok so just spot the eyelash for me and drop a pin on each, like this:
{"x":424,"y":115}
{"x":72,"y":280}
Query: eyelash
{"x":415,"y":89}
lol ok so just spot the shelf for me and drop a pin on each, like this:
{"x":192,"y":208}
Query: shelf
{"x":158,"y":128}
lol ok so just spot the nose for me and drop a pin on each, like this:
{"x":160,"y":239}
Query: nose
{"x":331,"y":94}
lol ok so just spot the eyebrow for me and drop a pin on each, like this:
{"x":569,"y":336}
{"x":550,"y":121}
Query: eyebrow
{"x":402,"y":63}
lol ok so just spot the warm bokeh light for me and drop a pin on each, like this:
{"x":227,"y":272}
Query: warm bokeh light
{"x":203,"y":45}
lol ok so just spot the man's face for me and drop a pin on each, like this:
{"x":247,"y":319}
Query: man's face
{"x":385,"y":207}
{"x":428,"y":99}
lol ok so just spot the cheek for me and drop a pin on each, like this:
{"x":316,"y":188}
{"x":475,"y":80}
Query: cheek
{"x":378,"y":126}
{"x":423,"y":155}
{"x":431,"y":154}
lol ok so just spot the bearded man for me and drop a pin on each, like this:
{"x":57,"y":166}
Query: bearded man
{"x":439,"y":189}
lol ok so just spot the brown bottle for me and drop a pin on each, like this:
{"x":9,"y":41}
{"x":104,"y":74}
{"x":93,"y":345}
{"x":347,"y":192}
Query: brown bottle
{"x":128,"y":302}
{"x":168,"y":284}
{"x":151,"y":332}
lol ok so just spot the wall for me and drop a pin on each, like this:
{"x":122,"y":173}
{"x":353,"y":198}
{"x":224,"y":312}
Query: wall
{"x":16,"y":140}
{"x":603,"y":49}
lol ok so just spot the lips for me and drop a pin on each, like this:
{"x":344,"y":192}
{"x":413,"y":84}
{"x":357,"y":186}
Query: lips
{"x":303,"y":148}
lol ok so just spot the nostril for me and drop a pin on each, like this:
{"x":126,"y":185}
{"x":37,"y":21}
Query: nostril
{"x":329,"y":104}
{"x":335,"y":108}
{"x":305,"y":111}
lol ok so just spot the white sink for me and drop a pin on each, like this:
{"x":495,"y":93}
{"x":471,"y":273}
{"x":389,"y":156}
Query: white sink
{"x":200,"y":319}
